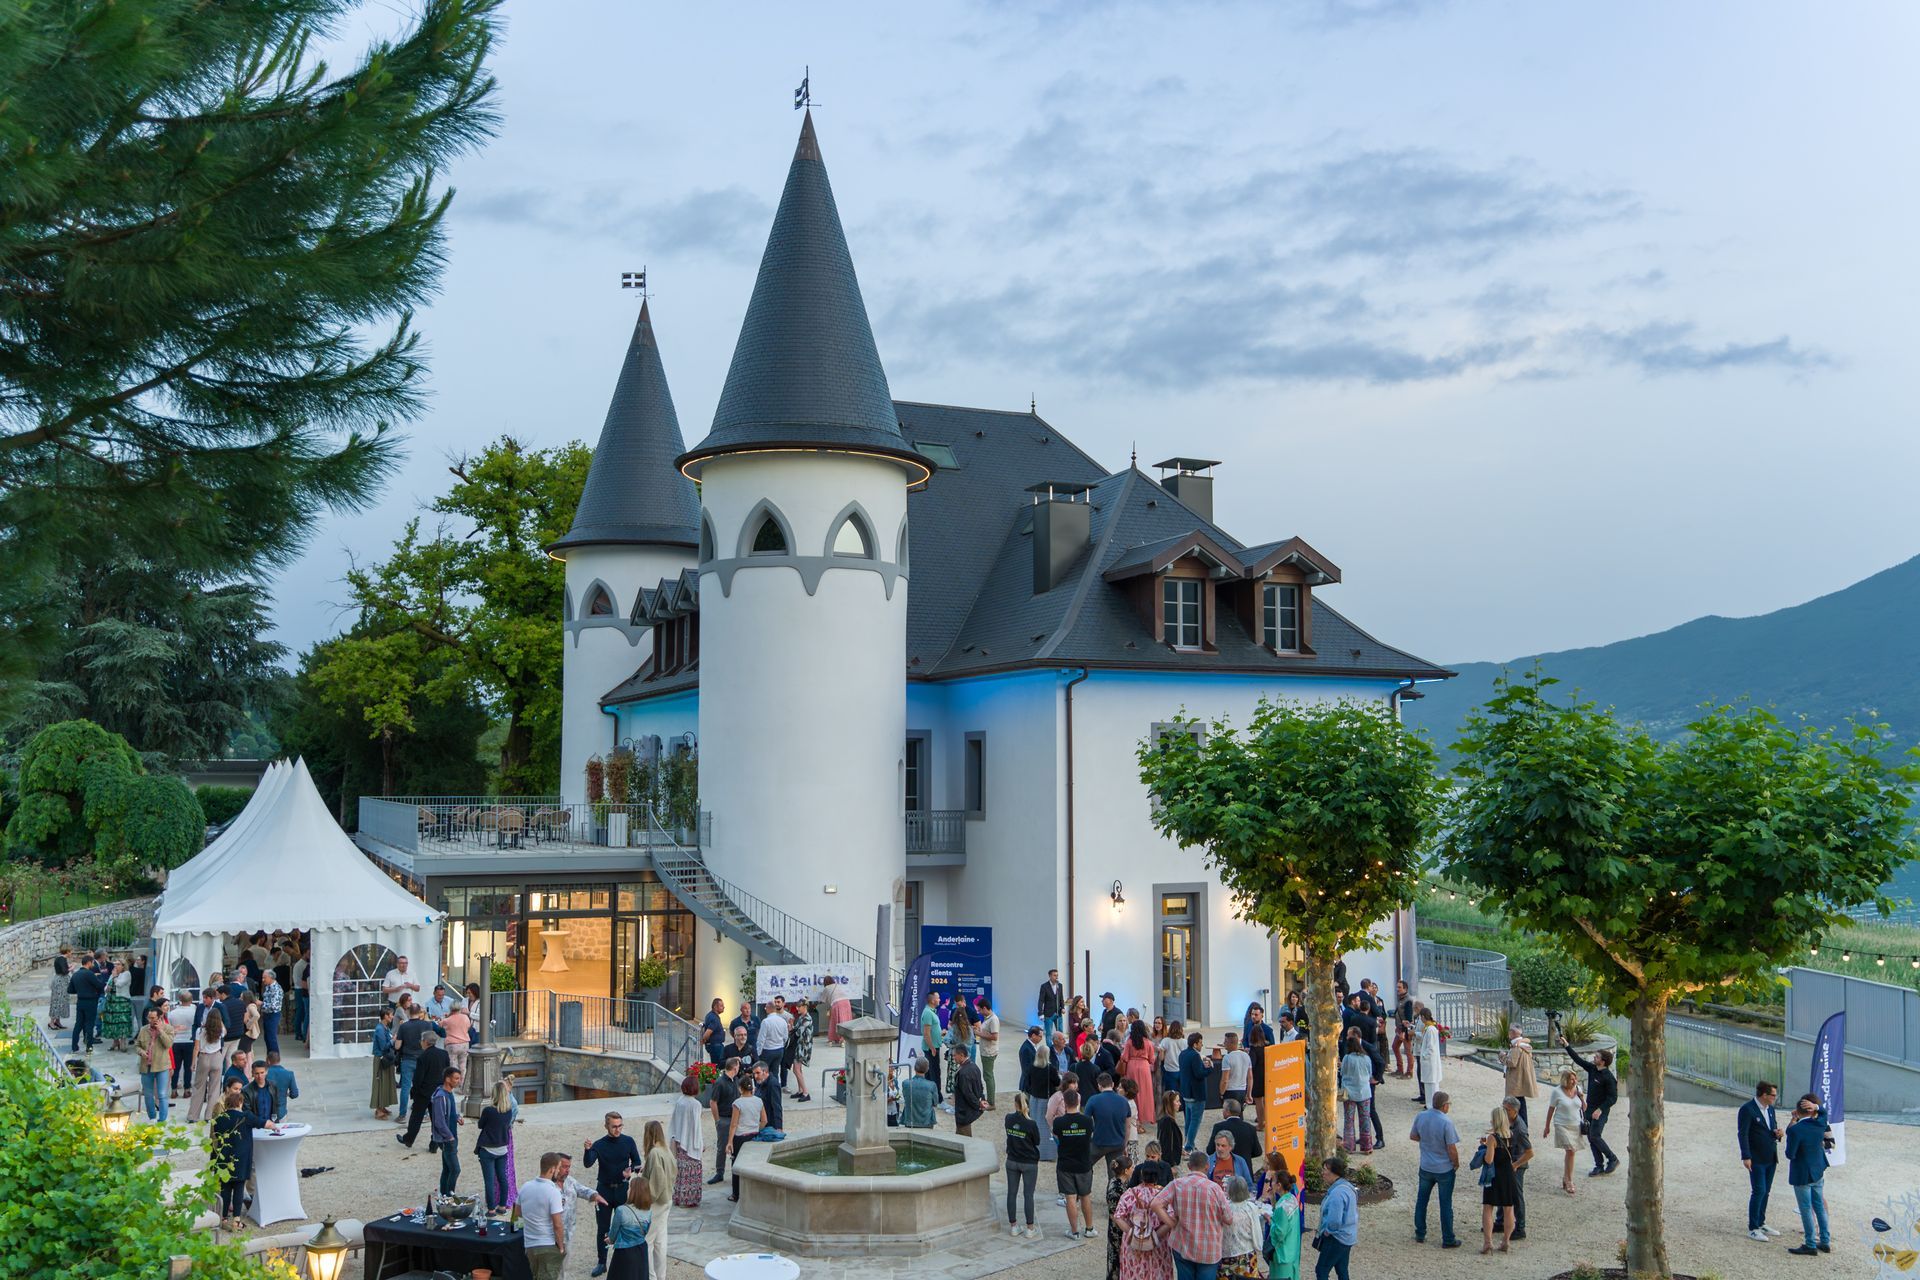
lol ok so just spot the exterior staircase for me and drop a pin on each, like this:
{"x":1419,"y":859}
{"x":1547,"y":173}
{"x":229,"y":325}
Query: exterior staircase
{"x":770,"y":935}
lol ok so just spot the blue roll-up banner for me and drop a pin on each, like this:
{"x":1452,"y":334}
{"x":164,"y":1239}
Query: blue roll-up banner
{"x":1829,"y":1080}
{"x":962,"y":963}
{"x":914,"y":986}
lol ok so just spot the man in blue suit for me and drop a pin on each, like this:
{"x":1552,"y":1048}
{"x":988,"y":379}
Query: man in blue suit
{"x":1759,"y":1135}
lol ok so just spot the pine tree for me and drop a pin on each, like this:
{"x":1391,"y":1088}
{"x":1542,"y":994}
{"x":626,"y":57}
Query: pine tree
{"x":210,"y":246}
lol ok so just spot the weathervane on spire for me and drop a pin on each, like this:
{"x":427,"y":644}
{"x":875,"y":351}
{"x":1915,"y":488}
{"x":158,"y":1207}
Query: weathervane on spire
{"x":636,"y":280}
{"x":803,"y":96}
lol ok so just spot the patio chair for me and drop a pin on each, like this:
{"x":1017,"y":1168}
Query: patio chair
{"x":510,"y":824}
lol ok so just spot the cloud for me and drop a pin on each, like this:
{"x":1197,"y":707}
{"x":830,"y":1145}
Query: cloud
{"x":1332,"y":15}
{"x":724,"y":221}
{"x":1661,"y":348}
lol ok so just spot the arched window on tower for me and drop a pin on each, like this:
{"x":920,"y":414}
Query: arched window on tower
{"x":853,"y":538}
{"x":769,"y":539}
{"x":706,"y":538}
{"x":900,"y":545}
{"x":599,"y":603}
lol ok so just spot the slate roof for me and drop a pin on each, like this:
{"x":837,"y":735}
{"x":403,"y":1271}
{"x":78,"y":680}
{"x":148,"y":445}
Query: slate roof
{"x":634,"y":493}
{"x":971,"y":607}
{"x":805,"y":371}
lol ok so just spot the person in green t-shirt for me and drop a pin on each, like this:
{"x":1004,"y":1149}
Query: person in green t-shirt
{"x":930,"y":1036}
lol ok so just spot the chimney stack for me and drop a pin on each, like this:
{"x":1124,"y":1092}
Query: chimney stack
{"x":1189,"y":484}
{"x":1062,"y":527}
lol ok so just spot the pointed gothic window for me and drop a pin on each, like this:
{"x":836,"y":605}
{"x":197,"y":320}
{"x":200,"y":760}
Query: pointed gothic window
{"x":853,"y":538}
{"x":599,"y":604}
{"x":769,"y":539}
{"x":706,"y":538}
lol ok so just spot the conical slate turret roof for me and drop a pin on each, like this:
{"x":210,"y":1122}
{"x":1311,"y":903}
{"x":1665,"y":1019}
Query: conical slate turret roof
{"x":635,"y":492}
{"x":805,"y":373}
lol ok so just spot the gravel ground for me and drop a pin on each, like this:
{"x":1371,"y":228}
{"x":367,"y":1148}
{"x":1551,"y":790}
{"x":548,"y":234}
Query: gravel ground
{"x":1706,"y":1196}
{"x":1706,"y":1193}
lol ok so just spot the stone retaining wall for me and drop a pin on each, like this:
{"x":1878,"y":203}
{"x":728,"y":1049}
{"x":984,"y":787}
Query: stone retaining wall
{"x":32,"y":942}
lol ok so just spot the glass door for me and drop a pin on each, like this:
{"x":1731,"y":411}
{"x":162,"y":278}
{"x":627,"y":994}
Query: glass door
{"x":1176,"y":971}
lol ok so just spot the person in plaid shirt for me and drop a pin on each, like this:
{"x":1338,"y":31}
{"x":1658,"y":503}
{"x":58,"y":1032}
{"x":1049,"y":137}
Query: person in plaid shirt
{"x":1196,"y":1213}
{"x":273,"y":998}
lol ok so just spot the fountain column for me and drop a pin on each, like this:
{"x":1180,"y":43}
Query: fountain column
{"x":870,"y":1044}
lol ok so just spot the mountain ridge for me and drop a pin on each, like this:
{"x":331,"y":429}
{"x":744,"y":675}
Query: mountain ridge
{"x":1853,"y":653}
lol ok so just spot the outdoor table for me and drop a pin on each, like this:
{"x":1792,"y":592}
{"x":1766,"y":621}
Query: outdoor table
{"x":276,"y":1173}
{"x":751,"y":1266}
{"x":398,"y":1245}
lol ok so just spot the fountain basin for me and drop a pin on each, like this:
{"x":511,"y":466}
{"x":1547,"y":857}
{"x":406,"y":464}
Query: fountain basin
{"x":793,"y":1199}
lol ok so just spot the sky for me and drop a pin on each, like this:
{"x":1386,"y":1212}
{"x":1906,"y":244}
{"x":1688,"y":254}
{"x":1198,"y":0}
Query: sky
{"x":1549,"y":324}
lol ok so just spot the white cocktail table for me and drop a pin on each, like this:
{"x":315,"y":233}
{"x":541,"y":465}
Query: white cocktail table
{"x":752,"y":1266}
{"x":276,"y":1174}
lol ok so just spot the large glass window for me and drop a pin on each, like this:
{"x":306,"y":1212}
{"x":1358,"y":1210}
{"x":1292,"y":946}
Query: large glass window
{"x":1180,"y":612}
{"x":1280,"y":617}
{"x":976,"y":775}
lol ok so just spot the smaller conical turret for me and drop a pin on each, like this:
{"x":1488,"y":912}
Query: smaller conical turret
{"x":635,"y":495}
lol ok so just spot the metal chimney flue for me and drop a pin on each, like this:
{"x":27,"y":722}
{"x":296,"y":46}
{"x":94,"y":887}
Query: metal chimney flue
{"x":1191,"y":483}
{"x":1062,"y":528}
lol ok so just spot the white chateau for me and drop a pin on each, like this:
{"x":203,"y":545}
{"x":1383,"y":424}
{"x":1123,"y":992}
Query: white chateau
{"x":913,"y":648}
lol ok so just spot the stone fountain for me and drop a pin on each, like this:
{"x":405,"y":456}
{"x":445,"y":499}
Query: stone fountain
{"x":869,"y":1189}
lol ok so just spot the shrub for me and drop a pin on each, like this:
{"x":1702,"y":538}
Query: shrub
{"x":1364,"y":1176}
{"x":114,"y":935}
{"x":503,"y":977}
{"x":1545,"y":980}
{"x":143,"y":822}
{"x":1583,"y":1028}
{"x":650,"y":972}
{"x":222,"y":804}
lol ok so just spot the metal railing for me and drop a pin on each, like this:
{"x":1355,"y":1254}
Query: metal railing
{"x":1469,"y":967}
{"x":1883,"y":1020}
{"x":601,"y":1023}
{"x":761,"y":926}
{"x":936,"y":831}
{"x":25,"y":1028}
{"x":1717,"y":1055}
{"x":468,"y":826}
{"x":1469,"y":1013}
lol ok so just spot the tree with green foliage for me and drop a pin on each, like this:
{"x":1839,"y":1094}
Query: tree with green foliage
{"x":1313,"y":817}
{"x":120,"y":1221}
{"x":85,"y":797}
{"x":222,"y":804}
{"x":482,"y":590}
{"x":173,"y":660}
{"x":211,"y":242}
{"x":1670,"y":869}
{"x":439,"y":756}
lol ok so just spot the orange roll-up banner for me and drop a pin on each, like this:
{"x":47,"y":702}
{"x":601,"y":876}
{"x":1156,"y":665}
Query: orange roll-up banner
{"x":1283,"y":1112}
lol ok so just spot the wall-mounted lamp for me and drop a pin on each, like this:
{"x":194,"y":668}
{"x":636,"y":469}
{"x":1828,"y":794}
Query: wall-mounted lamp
{"x":1119,"y":899}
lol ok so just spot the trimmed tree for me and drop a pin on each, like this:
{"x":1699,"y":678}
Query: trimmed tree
{"x":1670,"y":869}
{"x":86,"y":795}
{"x":1312,"y":816}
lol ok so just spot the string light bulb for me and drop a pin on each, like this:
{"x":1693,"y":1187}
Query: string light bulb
{"x":1881,"y":961}
{"x":1846,"y":957}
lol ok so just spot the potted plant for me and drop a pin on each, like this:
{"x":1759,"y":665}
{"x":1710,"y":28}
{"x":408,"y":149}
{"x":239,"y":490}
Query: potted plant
{"x":840,"y":1085}
{"x":704,"y":1074}
{"x":649,"y":978}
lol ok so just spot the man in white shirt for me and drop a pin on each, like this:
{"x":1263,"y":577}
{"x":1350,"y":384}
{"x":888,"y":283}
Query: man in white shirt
{"x":1237,"y":1070}
{"x":1288,"y":1032}
{"x":399,"y":982}
{"x":546,"y":1214}
{"x":988,"y":1033}
{"x":774,"y":1029}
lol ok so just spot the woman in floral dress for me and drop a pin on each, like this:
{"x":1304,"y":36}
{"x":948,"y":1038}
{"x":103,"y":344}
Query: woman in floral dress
{"x":1144,"y":1254}
{"x":1121,"y":1172}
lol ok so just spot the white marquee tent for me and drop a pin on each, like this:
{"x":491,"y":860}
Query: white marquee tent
{"x":284,"y":864}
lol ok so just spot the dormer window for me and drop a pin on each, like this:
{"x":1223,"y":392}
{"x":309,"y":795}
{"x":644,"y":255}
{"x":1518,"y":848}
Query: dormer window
{"x":1180,"y":612}
{"x":1280,"y":617}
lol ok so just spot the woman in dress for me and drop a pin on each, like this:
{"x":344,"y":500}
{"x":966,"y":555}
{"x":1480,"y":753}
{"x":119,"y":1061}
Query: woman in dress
{"x":1143,"y":1247}
{"x":1166,"y":1128}
{"x":1131,"y":1092}
{"x":1138,"y":1061}
{"x":627,"y":1236}
{"x":116,"y":1011}
{"x":386,"y":1090}
{"x":249,"y":1024}
{"x":1503,"y":1190}
{"x":689,"y":1144}
{"x":494,"y":1145}
{"x":839,"y":1008}
{"x":1240,"y":1245}
{"x":1283,"y":1224}
{"x":231,"y":1141}
{"x":959,"y":1035}
{"x":1119,"y":1171}
{"x":208,"y":1060}
{"x":661,"y":1171}
{"x":801,"y":1039}
{"x":59,"y":1001}
{"x":1429,"y":1055}
{"x":1077,"y":1023}
{"x":1562,"y":1120}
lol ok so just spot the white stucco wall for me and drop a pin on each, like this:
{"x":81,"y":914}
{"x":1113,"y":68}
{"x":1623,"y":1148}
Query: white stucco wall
{"x":596,"y":658}
{"x":803,"y":698}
